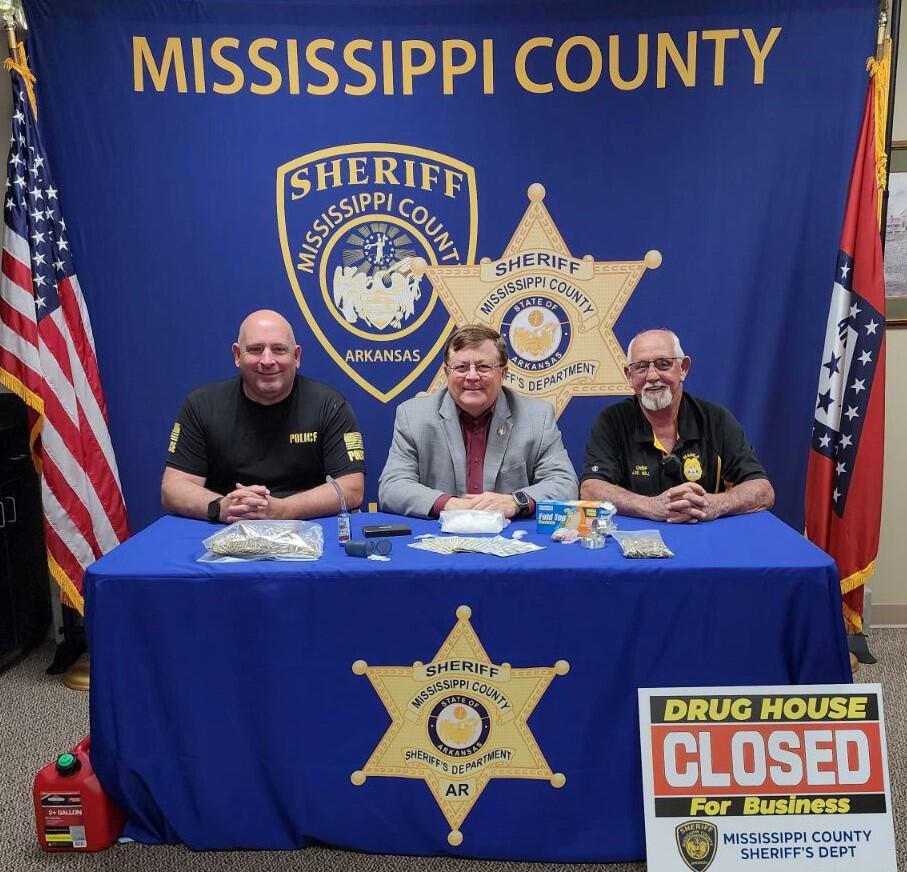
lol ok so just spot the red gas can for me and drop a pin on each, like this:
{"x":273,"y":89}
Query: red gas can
{"x":72,"y":811}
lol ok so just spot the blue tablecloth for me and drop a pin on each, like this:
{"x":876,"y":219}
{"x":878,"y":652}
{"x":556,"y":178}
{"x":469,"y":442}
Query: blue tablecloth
{"x":225,"y":714}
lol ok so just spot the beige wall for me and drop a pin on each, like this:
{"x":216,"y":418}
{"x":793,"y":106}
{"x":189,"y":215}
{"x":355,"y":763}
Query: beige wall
{"x":889,"y":590}
{"x":899,"y":128}
{"x":6,"y":110}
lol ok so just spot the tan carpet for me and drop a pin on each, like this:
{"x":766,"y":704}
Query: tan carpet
{"x":40,"y":718}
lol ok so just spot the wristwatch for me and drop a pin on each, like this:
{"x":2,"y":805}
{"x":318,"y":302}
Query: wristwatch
{"x":214,"y":510}
{"x":521,"y":498}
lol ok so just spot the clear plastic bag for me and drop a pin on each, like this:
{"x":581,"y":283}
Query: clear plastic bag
{"x":603,"y":525}
{"x":265,"y":540}
{"x":642,"y":543}
{"x":472,"y":521}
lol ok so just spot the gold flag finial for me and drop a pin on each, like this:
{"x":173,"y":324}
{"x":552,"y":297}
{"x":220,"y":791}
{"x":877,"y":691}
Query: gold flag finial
{"x":14,"y":21}
{"x":13,"y":15}
{"x":883,"y":25}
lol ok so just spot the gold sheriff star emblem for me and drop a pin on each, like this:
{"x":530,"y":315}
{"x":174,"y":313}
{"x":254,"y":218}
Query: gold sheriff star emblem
{"x":555,"y":312}
{"x":458,"y":722}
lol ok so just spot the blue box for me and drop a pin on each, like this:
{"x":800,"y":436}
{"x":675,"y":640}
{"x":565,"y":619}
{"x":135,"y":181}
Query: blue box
{"x":551,"y":515}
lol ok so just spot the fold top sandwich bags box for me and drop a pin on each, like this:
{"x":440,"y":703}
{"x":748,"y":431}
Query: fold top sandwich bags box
{"x":551,"y":515}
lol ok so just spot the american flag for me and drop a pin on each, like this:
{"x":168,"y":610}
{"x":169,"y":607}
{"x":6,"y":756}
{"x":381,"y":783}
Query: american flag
{"x":844,"y":476}
{"x":47,"y":357}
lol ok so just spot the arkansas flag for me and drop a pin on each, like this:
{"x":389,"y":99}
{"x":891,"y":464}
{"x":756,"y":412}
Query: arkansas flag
{"x":844,"y":477}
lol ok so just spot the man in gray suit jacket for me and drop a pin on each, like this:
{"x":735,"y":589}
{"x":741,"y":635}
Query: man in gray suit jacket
{"x":475,"y":444}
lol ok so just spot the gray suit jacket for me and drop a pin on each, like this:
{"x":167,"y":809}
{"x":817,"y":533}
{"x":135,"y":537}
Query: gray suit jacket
{"x":428,"y":458}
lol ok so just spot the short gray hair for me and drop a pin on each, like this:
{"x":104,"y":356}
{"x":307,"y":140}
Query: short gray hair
{"x":678,"y":351}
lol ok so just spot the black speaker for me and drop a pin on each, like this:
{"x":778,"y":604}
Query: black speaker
{"x":24,"y":586}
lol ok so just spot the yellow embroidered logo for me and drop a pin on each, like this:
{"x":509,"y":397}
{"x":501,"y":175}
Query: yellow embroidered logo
{"x":640,"y":469}
{"x":692,"y":467}
{"x":355,"y":450}
{"x":174,"y":438}
{"x":305,"y":438}
{"x":459,"y":721}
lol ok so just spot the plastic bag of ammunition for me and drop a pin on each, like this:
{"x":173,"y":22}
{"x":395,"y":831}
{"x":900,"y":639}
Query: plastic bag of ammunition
{"x":642,"y":543}
{"x":265,"y":540}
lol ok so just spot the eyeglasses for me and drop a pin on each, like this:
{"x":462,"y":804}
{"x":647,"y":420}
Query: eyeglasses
{"x":662,"y":364}
{"x":482,"y":369}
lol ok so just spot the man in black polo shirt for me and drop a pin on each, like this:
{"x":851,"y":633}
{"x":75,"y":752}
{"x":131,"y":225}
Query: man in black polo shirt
{"x":260,"y":446}
{"x":666,"y":455}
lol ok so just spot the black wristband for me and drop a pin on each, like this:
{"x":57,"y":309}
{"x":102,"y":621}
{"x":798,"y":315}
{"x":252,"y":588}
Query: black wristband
{"x":214,"y":510}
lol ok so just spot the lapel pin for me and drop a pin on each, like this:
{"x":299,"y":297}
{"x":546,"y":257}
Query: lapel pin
{"x":501,"y":430}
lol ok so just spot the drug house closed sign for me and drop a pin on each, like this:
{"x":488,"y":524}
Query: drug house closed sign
{"x":766,"y":778}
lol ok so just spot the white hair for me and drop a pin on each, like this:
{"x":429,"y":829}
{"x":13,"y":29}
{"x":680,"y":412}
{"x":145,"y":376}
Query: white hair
{"x":678,"y":351}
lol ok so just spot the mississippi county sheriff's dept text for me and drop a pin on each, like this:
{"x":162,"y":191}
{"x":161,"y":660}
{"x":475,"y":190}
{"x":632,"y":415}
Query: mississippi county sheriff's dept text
{"x":798,"y":844}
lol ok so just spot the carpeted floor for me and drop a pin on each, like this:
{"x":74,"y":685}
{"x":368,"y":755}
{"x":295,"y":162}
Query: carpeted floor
{"x":40,"y":718}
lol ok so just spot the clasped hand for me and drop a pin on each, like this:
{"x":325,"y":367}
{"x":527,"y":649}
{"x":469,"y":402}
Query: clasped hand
{"x":248,"y":503}
{"x":685,"y":504}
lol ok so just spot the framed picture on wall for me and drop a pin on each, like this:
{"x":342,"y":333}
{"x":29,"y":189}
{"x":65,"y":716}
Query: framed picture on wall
{"x":896,"y":238}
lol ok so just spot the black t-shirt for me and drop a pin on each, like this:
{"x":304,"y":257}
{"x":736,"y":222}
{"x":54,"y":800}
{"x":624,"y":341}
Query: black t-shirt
{"x":711,"y":449}
{"x":289,"y":447}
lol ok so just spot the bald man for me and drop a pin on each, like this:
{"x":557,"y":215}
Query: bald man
{"x":260,"y":446}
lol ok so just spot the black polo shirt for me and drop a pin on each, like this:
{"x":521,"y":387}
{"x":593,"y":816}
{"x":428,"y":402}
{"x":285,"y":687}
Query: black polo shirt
{"x":288,"y":447}
{"x":711,"y":449}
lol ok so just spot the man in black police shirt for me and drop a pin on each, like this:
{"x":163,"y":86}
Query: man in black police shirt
{"x":261,"y":445}
{"x":666,"y":455}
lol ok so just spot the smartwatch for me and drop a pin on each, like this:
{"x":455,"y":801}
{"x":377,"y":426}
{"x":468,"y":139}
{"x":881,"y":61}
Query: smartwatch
{"x":214,"y":510}
{"x":521,"y":498}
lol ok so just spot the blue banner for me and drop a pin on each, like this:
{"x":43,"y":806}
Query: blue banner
{"x":619,"y":168}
